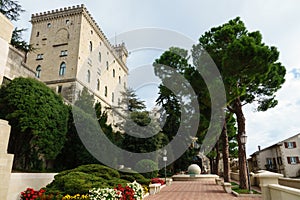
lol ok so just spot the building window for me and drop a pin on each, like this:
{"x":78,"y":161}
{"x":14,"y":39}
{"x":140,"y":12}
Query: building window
{"x":114,"y":73}
{"x":40,"y":56}
{"x":99,"y":56}
{"x":63,"y":53}
{"x":67,"y":22}
{"x":49,"y":25}
{"x":290,"y":145}
{"x":62,"y":69}
{"x":293,"y":160}
{"x":112,"y":97}
{"x":38,"y":71}
{"x":91,"y":46}
{"x":59,"y":89}
{"x":37,"y":34}
{"x":105,"y":91}
{"x":107,"y":65}
{"x":119,"y":79}
{"x":98,"y":85}
{"x":88,"y":76}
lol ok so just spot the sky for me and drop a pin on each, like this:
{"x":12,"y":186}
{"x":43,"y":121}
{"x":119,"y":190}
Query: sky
{"x":277,"y":20}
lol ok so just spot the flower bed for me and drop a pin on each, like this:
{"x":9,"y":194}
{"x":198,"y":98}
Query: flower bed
{"x":158,"y":180}
{"x":132,"y":191}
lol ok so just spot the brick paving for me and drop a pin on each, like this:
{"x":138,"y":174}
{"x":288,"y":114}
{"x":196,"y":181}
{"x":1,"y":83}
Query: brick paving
{"x":195,"y":190}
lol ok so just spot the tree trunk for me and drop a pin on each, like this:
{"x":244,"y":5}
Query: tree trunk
{"x":225,"y":152}
{"x":242,"y":152}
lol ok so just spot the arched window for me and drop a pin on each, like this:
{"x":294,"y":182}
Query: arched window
{"x":38,"y":71}
{"x":98,"y":85}
{"x":99,"y":56}
{"x":62,"y":69}
{"x":112,"y":97}
{"x":119,"y":79}
{"x":105,"y":91}
{"x":88,"y":76}
{"x":114,"y":73}
{"x":91,"y":46}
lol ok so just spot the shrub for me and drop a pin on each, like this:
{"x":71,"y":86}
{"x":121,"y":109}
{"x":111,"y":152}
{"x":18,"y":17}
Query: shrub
{"x":147,"y":165}
{"x":75,"y":183}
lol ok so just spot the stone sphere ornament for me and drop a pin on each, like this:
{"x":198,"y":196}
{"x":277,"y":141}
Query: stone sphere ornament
{"x":194,"y":169}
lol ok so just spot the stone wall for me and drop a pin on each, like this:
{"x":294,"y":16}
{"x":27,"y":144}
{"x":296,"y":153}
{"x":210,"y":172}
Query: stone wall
{"x":20,"y":181}
{"x":5,"y":36}
{"x":6,"y":160}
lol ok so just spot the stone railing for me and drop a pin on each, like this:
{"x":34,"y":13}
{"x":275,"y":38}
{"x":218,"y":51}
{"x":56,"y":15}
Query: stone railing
{"x":271,"y":190}
{"x":289,"y":182}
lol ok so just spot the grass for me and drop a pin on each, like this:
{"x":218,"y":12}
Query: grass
{"x":235,"y":187}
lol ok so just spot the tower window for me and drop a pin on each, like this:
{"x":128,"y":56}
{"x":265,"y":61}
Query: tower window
{"x":114,"y":73}
{"x":107,"y":65}
{"x":37,"y":34}
{"x":59,"y":89}
{"x":105,"y":91}
{"x":91,"y":46}
{"x":99,"y":56}
{"x":67,"y":22}
{"x":88,"y":76}
{"x":112,"y":97}
{"x":98,"y":85}
{"x":119,"y":79}
{"x":38,"y":71}
{"x":40,"y":56}
{"x":63,"y":53}
{"x":49,"y":25}
{"x":62,"y":69}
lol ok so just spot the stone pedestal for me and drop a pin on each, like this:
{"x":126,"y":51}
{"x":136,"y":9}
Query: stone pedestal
{"x":6,"y":160}
{"x":267,"y":178}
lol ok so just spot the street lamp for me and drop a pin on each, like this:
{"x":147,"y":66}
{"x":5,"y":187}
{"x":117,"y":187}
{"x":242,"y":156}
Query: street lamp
{"x":165,"y":160}
{"x":244,"y":141}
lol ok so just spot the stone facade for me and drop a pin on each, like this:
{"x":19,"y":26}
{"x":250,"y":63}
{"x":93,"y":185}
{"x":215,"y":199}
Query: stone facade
{"x":5,"y":36}
{"x":72,"y":53}
{"x":282,"y":157}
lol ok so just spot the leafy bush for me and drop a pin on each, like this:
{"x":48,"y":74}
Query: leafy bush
{"x":75,"y":183}
{"x":147,"y":165}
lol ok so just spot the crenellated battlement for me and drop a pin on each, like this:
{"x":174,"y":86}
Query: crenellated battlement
{"x":57,"y":11}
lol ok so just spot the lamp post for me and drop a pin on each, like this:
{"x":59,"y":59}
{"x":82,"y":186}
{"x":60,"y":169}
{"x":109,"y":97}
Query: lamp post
{"x":244,"y":141}
{"x":165,"y":160}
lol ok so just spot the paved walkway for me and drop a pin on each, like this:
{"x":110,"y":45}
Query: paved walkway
{"x":195,"y":190}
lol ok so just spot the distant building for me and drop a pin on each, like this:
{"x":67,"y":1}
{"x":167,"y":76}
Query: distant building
{"x":282,"y":157}
{"x":72,"y":53}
